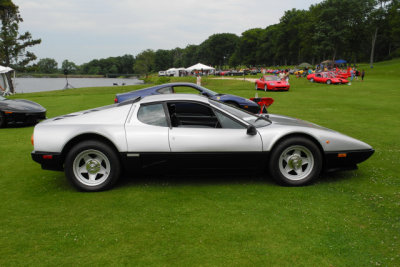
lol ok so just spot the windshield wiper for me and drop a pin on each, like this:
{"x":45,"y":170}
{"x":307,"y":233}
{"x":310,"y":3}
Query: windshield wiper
{"x":264,"y":118}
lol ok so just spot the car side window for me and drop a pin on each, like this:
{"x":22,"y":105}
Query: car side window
{"x":165,"y":90}
{"x":153,"y":115}
{"x":193,"y":115}
{"x":226,"y":122}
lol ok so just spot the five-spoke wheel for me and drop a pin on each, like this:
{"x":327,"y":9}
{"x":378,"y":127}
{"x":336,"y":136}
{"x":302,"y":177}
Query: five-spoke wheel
{"x":295,"y":161}
{"x":92,"y":166}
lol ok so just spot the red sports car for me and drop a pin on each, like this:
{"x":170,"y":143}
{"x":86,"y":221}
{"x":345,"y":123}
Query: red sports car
{"x":326,"y":77}
{"x":271,"y":83}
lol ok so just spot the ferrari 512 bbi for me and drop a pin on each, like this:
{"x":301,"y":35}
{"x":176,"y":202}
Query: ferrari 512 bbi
{"x":170,"y":131}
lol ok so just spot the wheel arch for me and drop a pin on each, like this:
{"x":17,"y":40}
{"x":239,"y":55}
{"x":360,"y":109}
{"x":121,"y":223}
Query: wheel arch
{"x":85,"y":137}
{"x":304,"y":135}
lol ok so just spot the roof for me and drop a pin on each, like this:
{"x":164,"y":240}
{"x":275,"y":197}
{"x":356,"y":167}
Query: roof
{"x":174,"y":97}
{"x":199,"y":66}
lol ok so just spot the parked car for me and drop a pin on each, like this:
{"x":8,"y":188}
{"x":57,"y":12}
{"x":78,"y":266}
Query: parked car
{"x":325,"y":77}
{"x":271,"y":83}
{"x":20,"y":111}
{"x":162,"y":73}
{"x":171,"y":88}
{"x":183,"y":131}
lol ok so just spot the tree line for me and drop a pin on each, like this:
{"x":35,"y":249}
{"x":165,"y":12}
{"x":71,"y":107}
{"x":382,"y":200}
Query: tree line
{"x":354,"y":30}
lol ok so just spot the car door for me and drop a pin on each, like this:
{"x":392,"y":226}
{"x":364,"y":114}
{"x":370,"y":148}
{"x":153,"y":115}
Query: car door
{"x":318,"y":78}
{"x":201,"y":137}
{"x":147,"y":132}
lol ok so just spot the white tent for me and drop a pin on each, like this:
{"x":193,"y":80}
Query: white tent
{"x":199,"y":66}
{"x":5,"y":69}
{"x":175,"y":71}
{"x":4,"y":86}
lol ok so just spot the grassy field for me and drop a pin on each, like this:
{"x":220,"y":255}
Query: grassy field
{"x":344,"y":219}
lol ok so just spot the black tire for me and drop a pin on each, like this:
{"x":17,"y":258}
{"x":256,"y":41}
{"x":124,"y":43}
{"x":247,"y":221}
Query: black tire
{"x":312,"y":80}
{"x":295,"y":161}
{"x":265,"y":88}
{"x":328,"y":82}
{"x":2,"y":120}
{"x":92,"y":166}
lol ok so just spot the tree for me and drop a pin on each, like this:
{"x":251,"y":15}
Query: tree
{"x":47,"y":65}
{"x":218,"y":48}
{"x":13,"y":45}
{"x":144,"y":62}
{"x":70,"y":66}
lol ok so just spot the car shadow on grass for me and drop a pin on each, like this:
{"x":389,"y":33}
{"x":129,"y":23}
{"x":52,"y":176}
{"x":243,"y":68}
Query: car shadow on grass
{"x":202,"y":178}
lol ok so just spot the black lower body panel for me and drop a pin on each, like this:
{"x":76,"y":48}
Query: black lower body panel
{"x":345,"y":160}
{"x":48,"y":161}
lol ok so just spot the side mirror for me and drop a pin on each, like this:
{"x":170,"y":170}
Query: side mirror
{"x":251,"y":130}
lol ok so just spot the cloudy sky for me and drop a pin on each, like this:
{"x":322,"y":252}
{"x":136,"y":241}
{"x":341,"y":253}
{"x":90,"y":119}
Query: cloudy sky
{"x":82,"y":30}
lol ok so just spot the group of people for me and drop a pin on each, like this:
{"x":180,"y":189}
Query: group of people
{"x":284,"y":75}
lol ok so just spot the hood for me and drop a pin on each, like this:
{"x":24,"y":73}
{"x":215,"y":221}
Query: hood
{"x":289,"y":121}
{"x":21,"y":105}
{"x":276,"y":82}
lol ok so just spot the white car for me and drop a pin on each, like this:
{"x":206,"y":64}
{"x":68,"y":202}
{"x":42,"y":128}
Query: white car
{"x":186,"y":131}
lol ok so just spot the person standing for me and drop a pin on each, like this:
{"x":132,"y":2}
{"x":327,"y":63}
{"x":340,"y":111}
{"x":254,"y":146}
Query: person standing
{"x":362,"y":75}
{"x":198,"y":80}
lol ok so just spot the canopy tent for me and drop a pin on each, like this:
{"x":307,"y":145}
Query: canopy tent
{"x":199,"y":66}
{"x":4,"y":85}
{"x":340,"y":61}
{"x":177,"y":72}
{"x":304,"y":65}
{"x":327,"y":62}
{"x":5,"y":69}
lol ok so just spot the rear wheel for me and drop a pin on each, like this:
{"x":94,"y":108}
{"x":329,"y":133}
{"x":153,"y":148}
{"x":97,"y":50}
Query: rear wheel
{"x":92,"y":166}
{"x":265,"y":88}
{"x":328,"y":82}
{"x":312,"y":80}
{"x":2,"y":120}
{"x":295,"y":161}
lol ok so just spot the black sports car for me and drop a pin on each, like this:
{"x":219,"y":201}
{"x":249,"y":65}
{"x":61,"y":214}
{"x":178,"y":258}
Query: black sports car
{"x":20,"y":110}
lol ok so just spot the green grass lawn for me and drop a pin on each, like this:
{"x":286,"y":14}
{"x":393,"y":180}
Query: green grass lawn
{"x":344,"y":219}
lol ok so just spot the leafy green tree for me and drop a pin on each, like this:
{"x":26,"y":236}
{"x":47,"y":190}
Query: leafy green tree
{"x":47,"y":65}
{"x":218,"y":48}
{"x":190,"y":55}
{"x":163,"y":60}
{"x":247,"y":47}
{"x":12,"y":44}
{"x":144,"y":62}
{"x":70,"y":66}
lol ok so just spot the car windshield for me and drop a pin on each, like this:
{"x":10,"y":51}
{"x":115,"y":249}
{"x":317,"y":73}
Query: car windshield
{"x":257,"y":121}
{"x":271,"y":78}
{"x":208,"y":91}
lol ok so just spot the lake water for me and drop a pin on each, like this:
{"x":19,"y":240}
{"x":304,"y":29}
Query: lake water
{"x":30,"y":85}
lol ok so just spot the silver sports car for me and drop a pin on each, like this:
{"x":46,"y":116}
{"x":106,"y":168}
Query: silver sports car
{"x":177,"y":131}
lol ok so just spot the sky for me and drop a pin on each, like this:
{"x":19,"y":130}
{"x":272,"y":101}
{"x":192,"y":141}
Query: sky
{"x":83,"y":30}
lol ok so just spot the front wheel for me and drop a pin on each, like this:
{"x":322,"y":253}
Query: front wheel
{"x":312,"y":80}
{"x":295,"y":161}
{"x":265,"y":88}
{"x":92,"y":166}
{"x":328,"y":82}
